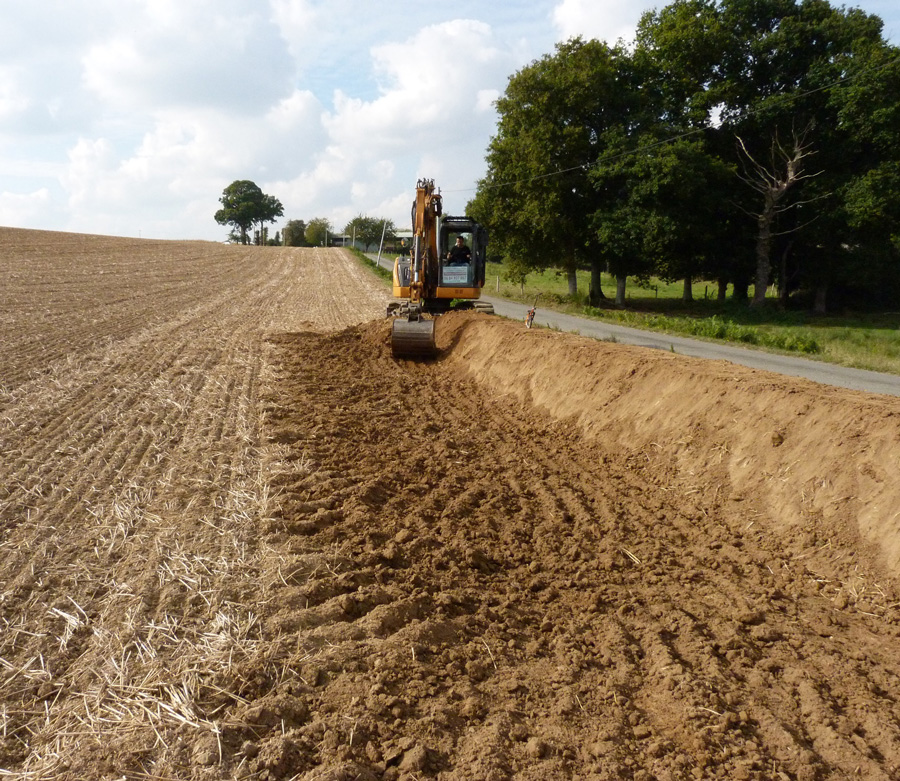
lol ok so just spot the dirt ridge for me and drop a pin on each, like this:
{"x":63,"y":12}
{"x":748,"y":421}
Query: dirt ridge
{"x":807,"y":453}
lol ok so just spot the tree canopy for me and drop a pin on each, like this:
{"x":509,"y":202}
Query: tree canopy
{"x":735,"y":141}
{"x":317,"y":231}
{"x":245,"y":205}
{"x":294,"y":233}
{"x":552,"y":120}
{"x":369,"y":230}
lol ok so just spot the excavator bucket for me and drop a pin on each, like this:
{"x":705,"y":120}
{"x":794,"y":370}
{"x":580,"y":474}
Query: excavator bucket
{"x":413,"y":338}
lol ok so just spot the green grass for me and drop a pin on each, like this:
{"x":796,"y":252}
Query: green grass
{"x":863,"y":341}
{"x":367,"y":262}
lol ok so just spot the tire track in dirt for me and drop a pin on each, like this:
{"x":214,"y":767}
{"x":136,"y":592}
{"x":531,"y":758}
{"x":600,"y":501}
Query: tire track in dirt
{"x":751,"y":576}
{"x":290,"y":556}
{"x":61,"y":299}
{"x":128,"y":382}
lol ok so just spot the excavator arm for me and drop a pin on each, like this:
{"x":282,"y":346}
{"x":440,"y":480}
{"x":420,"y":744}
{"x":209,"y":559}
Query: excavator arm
{"x":412,"y":333}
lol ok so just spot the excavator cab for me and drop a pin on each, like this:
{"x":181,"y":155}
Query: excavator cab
{"x":458,"y":272}
{"x":463,"y":247}
{"x":445,"y":270}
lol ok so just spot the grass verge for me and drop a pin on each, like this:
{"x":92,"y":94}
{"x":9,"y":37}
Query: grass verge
{"x":858,"y":340}
{"x":367,"y":262}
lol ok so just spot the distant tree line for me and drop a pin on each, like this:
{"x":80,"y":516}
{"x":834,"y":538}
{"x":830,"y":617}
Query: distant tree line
{"x":361,"y":230}
{"x":745,"y":143}
{"x":245,"y":205}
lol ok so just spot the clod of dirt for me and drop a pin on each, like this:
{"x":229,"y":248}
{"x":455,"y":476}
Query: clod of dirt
{"x":415,"y":760}
{"x":206,"y":752}
{"x":537,"y":748}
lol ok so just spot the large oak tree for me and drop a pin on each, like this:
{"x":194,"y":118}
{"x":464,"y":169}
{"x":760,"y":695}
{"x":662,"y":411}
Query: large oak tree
{"x":243,"y":206}
{"x":784,"y":80}
{"x":552,"y":119}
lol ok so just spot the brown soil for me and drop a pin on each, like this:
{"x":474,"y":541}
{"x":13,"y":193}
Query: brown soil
{"x":239,"y":540}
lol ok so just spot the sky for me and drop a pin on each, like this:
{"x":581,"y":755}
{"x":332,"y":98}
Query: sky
{"x":130,"y":117}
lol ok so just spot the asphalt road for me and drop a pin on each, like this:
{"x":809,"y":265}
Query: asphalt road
{"x":817,"y":371}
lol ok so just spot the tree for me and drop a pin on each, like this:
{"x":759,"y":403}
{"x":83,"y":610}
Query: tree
{"x":664,"y":207}
{"x":763,"y":69}
{"x":773,"y":180}
{"x":628,"y":158}
{"x":294,"y":233}
{"x":679,"y":48}
{"x":369,"y":230}
{"x":243,"y":206}
{"x":789,"y":70}
{"x":855,"y":240}
{"x":553,"y":114}
{"x":317,"y":232}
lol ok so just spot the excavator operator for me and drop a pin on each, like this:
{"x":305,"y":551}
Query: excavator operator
{"x":459,"y":254}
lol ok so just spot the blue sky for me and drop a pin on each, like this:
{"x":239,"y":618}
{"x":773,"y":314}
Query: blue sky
{"x":129,"y":117}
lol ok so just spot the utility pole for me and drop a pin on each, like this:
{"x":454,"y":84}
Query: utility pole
{"x":383,"y":229}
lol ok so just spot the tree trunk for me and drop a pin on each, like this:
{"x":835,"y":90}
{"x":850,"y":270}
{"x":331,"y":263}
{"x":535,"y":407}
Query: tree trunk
{"x":620,"y":290}
{"x":573,"y":281}
{"x":821,"y":299}
{"x":723,"y":290}
{"x":688,"y":295}
{"x":773,"y":182}
{"x":763,"y":251}
{"x":741,"y":289}
{"x":784,"y":288}
{"x":596,"y":292}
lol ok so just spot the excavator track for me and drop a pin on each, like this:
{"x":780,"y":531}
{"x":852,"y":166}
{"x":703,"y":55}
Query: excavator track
{"x":413,"y":338}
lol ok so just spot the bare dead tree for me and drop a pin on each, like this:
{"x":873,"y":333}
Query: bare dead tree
{"x":785,"y":169}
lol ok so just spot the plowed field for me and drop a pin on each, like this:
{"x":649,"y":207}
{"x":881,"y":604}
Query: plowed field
{"x":239,"y":540}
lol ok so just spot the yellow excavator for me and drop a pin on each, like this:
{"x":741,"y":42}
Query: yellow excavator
{"x":445,"y":270}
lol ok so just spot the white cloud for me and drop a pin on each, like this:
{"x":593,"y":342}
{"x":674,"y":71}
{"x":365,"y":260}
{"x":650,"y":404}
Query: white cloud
{"x":429,"y":119}
{"x":24,"y":209}
{"x":13,"y":100}
{"x":183,"y":162}
{"x":299,"y":23}
{"x":486,"y":99}
{"x":150,"y":108}
{"x":165,"y":160}
{"x":128,"y":117}
{"x":606,"y":20}
{"x":203,"y":53}
{"x":90,"y":162}
{"x":300,"y":108}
